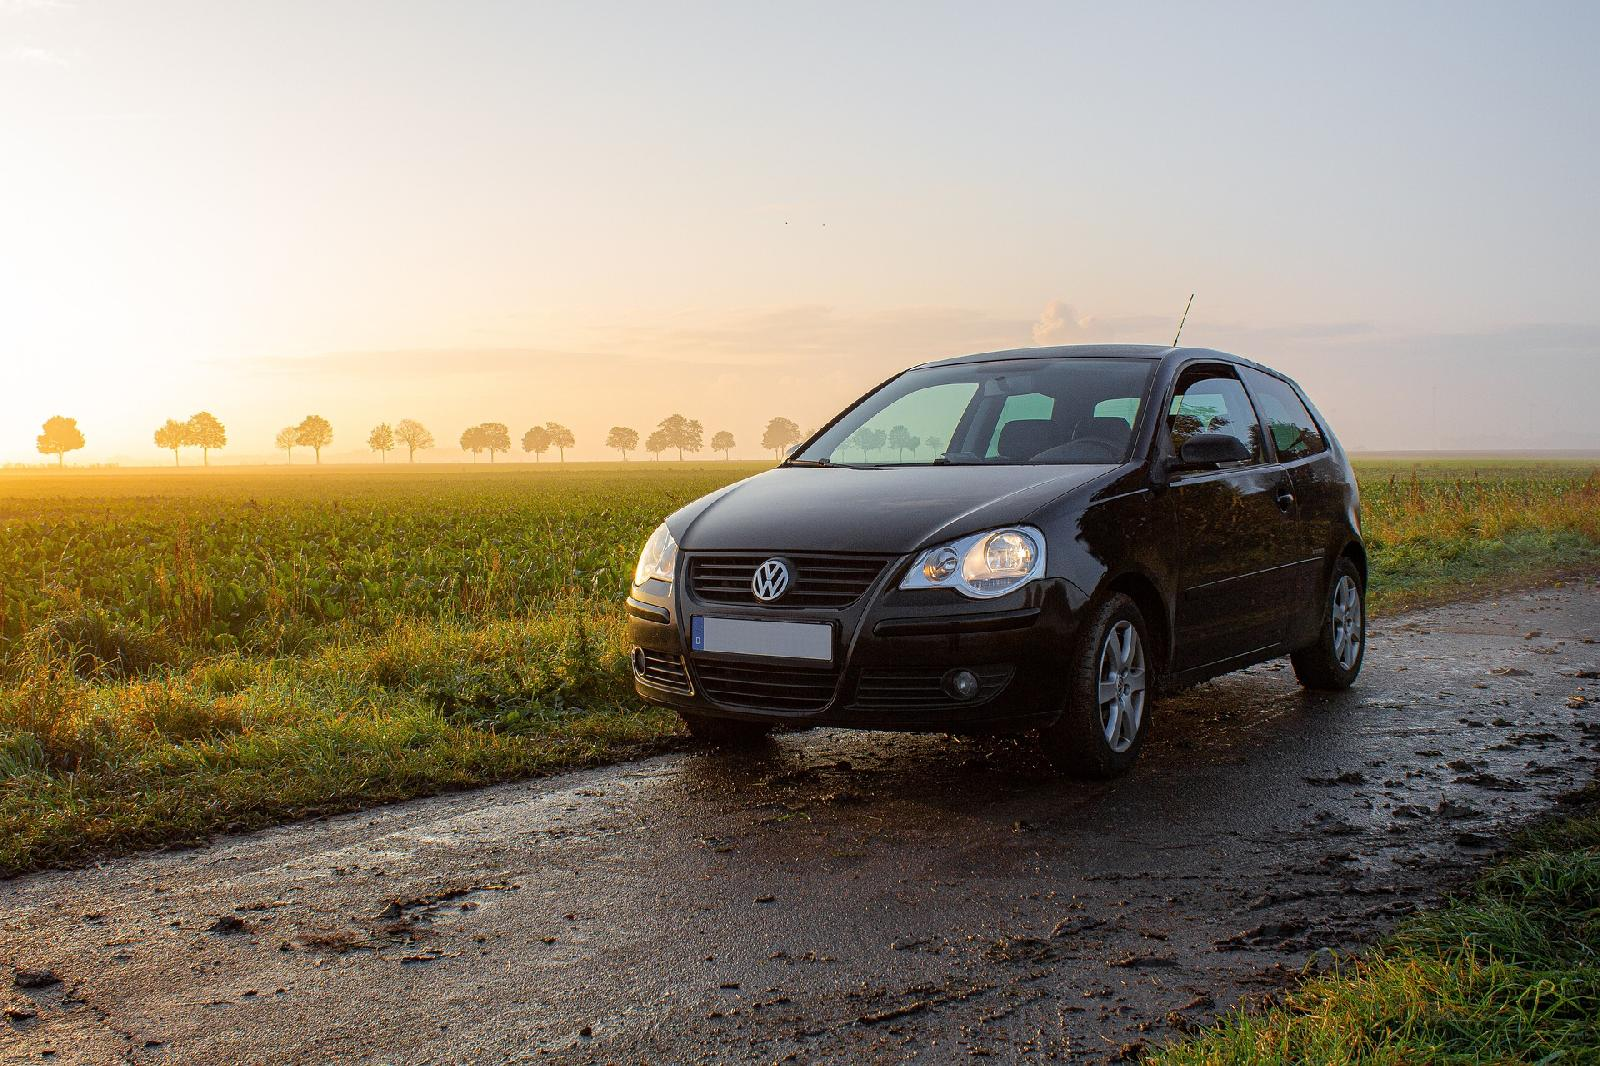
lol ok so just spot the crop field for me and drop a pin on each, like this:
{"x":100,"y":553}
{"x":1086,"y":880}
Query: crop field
{"x":192,"y":651}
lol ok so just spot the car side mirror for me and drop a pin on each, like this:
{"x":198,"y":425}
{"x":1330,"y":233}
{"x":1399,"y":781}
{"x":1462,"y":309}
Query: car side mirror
{"x":1211,"y":449}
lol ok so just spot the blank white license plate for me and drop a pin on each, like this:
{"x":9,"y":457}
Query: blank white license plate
{"x":778,"y":640}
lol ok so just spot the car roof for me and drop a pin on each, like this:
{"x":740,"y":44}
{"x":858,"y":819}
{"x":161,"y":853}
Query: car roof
{"x":1146,"y":352}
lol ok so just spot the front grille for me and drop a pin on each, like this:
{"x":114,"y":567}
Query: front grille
{"x":817,"y":580}
{"x":923,"y":690}
{"x":765,"y":686}
{"x":662,"y":670}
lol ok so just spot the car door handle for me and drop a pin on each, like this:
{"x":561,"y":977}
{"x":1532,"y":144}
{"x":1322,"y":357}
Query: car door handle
{"x":1285,"y":499}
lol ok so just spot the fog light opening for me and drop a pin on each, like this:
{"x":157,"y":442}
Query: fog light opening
{"x":638,"y":661}
{"x":960,"y":684}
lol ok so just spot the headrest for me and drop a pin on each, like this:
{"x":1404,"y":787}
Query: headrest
{"x":1026,"y":437}
{"x":1113,"y":430}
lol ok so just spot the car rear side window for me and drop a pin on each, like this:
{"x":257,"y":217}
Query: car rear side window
{"x":1123,"y":407}
{"x":1294,"y":431}
{"x":1210,"y":399}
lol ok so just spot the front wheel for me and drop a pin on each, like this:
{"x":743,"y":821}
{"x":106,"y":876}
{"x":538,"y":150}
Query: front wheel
{"x":1335,"y":659}
{"x":1108,"y":696}
{"x":725,"y":732}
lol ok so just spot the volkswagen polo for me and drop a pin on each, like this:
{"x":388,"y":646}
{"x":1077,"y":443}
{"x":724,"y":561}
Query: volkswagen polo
{"x":1037,"y":539}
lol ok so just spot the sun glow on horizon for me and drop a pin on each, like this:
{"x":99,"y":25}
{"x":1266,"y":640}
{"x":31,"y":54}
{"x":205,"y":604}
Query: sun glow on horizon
{"x":461,"y":216}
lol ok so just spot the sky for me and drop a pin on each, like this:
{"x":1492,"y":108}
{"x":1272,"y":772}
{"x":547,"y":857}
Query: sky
{"x":603,"y":213}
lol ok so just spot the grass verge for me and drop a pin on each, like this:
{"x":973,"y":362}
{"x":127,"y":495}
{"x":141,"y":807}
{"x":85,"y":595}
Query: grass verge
{"x":232,"y":743}
{"x":1507,"y":972}
{"x":1423,"y":572}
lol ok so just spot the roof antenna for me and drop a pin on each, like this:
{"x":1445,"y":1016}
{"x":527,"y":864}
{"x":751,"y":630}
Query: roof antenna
{"x":1182,"y":320}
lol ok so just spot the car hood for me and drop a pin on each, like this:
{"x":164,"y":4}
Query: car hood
{"x":883,"y":509}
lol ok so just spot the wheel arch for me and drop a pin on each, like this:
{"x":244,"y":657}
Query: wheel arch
{"x":1146,"y":595}
{"x":1356,"y":552}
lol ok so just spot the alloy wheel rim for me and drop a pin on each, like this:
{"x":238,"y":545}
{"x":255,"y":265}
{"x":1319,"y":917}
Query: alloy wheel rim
{"x":1346,"y":617}
{"x":1121,"y":692}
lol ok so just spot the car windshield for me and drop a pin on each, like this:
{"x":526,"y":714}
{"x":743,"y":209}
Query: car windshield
{"x":1011,"y":412}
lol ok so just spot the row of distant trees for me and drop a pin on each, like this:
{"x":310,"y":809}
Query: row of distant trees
{"x":200,"y":430}
{"x":896,"y":438}
{"x":205,"y":431}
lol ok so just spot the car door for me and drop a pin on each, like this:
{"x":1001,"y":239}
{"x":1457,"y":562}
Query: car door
{"x":1235,"y":530}
{"x":1319,"y":486}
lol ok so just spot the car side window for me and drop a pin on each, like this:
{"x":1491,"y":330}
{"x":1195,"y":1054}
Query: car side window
{"x":1294,"y":431}
{"x":1210,"y":399}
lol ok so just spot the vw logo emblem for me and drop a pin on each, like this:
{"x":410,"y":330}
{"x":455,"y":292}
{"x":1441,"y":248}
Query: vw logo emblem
{"x":771,"y":580}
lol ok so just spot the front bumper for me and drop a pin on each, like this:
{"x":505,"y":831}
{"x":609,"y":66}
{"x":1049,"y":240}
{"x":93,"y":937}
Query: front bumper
{"x":892,"y":649}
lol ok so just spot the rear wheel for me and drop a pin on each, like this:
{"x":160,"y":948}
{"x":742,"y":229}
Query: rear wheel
{"x":1108,"y":696}
{"x":725,"y":732}
{"x":1334,"y":661}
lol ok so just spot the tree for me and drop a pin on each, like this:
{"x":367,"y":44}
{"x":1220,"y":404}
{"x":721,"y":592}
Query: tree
{"x":472,"y":441}
{"x":288,"y":437}
{"x":381,"y":439}
{"x":61,"y":435}
{"x":537,"y":440}
{"x":314,"y":432}
{"x":561,"y":437}
{"x":413,"y":435}
{"x":172,"y":436}
{"x":781,"y":435}
{"x":657,"y":443}
{"x":868,"y":440}
{"x":900,"y":438}
{"x":623,"y":440}
{"x":205,"y":432}
{"x":684,"y":434}
{"x":723,"y":442}
{"x":496,"y":438}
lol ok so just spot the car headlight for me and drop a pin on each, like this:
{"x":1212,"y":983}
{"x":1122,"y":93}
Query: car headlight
{"x":658,"y":559}
{"x":983,"y":565}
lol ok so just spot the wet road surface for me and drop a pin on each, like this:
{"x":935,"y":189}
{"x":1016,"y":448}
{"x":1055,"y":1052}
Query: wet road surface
{"x":840,"y":896}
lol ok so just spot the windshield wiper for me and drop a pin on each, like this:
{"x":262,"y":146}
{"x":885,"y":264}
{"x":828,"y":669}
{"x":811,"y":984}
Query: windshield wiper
{"x":806,"y":462}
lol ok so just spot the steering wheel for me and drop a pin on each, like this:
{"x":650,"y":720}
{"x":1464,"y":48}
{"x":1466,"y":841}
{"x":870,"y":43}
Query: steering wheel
{"x":1108,"y":451}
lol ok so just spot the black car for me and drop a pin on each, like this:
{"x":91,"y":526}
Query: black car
{"x":1040,"y":539}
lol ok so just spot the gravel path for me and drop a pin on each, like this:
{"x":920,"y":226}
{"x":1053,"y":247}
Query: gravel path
{"x":840,"y":896}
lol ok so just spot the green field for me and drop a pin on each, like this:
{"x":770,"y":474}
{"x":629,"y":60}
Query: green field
{"x":190,"y":651}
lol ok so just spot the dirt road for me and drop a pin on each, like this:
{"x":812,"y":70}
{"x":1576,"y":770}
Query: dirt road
{"x":840,"y":897}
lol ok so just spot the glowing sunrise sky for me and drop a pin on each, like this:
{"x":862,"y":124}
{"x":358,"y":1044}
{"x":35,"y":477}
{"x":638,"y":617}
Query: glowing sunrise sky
{"x":601,"y":213}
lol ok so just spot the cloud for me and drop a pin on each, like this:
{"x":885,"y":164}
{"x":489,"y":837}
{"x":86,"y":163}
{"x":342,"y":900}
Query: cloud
{"x":34,"y":56}
{"x":805,"y":335}
{"x":801,"y":342}
{"x":414,"y":362}
{"x":1059,"y":323}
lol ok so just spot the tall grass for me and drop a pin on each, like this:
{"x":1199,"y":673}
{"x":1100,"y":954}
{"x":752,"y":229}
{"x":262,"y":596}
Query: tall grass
{"x":235,"y":741}
{"x":1433,"y":532}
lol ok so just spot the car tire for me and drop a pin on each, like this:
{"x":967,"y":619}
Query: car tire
{"x":725,"y":732}
{"x":1096,"y":739}
{"x":1333,"y":663}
